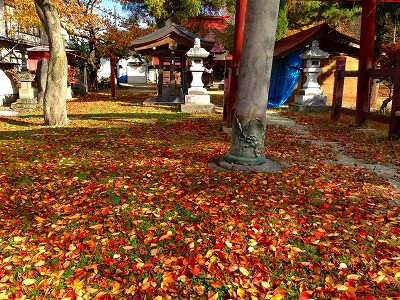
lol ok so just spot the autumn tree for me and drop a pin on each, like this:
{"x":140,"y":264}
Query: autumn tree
{"x":161,"y":10}
{"x":54,"y":102}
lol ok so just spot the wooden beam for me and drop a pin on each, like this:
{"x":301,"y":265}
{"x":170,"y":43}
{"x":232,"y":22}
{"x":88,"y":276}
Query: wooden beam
{"x":382,"y":73}
{"x":338,"y":88}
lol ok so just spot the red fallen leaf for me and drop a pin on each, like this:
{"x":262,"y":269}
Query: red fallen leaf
{"x":219,"y":246}
{"x":362,"y":232}
{"x":81,"y":235}
{"x":195,"y":271}
{"x":305,"y":295}
{"x":369,"y":297}
{"x":105,"y":211}
{"x":215,"y":285}
{"x":395,"y":230}
{"x":178,"y":237}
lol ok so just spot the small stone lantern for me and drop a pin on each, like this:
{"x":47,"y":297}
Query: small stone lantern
{"x":198,"y":98}
{"x":311,"y":94}
{"x":26,"y":94}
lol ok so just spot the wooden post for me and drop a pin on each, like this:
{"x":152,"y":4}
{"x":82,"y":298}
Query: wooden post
{"x":112,"y":73}
{"x":240,"y":17}
{"x":85,"y":78}
{"x":172,"y":81}
{"x":338,"y":88}
{"x":394,"y":126}
{"x":365,"y":59}
{"x":160,"y":75}
{"x":184,"y":74}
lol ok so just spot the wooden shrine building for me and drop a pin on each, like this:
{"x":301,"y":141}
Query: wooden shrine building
{"x":170,"y":44}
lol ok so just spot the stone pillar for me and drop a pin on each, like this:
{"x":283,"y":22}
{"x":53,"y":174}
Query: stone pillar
{"x":249,"y":121}
{"x":198,"y":99}
{"x":41,"y":79}
{"x":310,"y":97}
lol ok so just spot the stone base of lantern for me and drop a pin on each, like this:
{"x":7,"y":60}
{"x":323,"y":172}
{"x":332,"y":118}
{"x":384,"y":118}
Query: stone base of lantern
{"x":310,"y":99}
{"x":309,"y":103}
{"x":24,"y":104}
{"x":197,"y":102}
{"x":309,"y":108}
{"x":193,"y":108}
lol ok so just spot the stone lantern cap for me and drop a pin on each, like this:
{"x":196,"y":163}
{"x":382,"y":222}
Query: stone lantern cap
{"x":314,"y":52}
{"x":197,"y":51}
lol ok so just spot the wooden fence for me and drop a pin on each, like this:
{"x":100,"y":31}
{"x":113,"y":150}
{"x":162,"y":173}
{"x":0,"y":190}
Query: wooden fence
{"x":393,"y":120}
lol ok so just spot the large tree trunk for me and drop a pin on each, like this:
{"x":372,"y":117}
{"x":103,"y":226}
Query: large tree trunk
{"x":249,"y":121}
{"x":54,"y":106}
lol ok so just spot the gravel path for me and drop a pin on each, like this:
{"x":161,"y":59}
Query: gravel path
{"x":388,"y":172}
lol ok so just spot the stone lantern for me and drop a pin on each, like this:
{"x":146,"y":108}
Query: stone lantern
{"x":26,"y":94}
{"x":310,"y":94}
{"x":198,"y":98}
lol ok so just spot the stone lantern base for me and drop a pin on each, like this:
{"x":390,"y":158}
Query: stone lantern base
{"x":27,"y":98}
{"x":197,"y":102}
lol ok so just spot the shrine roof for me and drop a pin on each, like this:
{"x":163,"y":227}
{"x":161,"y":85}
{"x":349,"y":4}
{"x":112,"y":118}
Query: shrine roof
{"x":330,"y":40}
{"x":171,"y":32}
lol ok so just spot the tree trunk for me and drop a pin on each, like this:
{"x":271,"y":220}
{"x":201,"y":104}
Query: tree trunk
{"x":94,"y":66}
{"x":249,"y":121}
{"x":54,"y":106}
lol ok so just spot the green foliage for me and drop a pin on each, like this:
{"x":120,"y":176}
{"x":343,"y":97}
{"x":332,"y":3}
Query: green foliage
{"x":302,"y":12}
{"x":387,"y":15}
{"x":283,"y":22}
{"x":158,"y":11}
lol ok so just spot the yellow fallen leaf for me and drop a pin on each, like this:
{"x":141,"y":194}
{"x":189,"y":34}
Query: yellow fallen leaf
{"x":240,"y":292}
{"x":213,"y":259}
{"x":265,"y":284}
{"x":39,"y":219}
{"x":78,"y":284}
{"x":116,"y":287}
{"x":244,"y":271}
{"x":158,"y":298}
{"x":341,"y":287}
{"x":277,"y":297}
{"x":29,"y":281}
{"x":17,"y":239}
{"x":397,"y":275}
{"x":328,"y":279}
{"x":40,"y":263}
{"x":353,"y":277}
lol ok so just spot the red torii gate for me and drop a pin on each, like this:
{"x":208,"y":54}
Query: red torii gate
{"x":366,"y":56}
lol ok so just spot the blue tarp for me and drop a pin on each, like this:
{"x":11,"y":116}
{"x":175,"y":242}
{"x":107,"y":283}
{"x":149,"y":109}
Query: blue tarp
{"x":123,"y":79}
{"x":285,"y":73}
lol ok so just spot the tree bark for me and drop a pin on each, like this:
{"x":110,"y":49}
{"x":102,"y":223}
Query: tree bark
{"x":94,"y":66}
{"x":54,"y":106}
{"x":249,"y":121}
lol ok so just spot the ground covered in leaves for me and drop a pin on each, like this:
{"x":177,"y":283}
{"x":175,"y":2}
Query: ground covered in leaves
{"x":121,"y":204}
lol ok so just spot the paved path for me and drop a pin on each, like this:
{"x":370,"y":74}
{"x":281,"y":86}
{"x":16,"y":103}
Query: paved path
{"x":388,"y":172}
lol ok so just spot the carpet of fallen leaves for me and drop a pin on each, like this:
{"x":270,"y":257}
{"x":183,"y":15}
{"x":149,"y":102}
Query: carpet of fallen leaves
{"x":121,"y":204}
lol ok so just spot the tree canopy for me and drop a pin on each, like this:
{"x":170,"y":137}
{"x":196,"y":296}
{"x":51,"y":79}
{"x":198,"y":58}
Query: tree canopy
{"x":158,"y":11}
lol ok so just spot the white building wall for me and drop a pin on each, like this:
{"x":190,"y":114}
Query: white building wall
{"x":8,"y":91}
{"x":135,"y":74}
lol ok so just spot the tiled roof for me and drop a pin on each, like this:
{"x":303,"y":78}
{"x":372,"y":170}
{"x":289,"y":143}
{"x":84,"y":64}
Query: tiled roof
{"x":330,"y":40}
